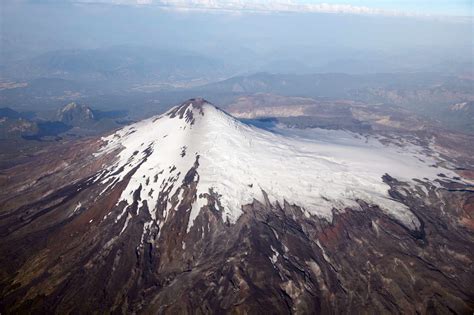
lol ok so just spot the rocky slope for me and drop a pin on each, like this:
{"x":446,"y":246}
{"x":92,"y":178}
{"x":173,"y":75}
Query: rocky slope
{"x":195,"y":212}
{"x":75,"y":114}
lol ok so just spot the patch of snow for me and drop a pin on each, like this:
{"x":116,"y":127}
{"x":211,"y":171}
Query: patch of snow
{"x":326,"y":257}
{"x":129,"y":216}
{"x":275,"y":255}
{"x":146,"y":229}
{"x":424,"y":189}
{"x":78,"y":206}
{"x":106,"y":216}
{"x":376,"y":228}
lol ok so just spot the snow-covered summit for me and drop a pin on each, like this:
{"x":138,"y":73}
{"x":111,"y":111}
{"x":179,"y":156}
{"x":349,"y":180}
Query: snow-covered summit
{"x":189,"y":109}
{"x":319,"y":170}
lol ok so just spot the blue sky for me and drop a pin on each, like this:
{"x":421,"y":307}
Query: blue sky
{"x":345,"y":32}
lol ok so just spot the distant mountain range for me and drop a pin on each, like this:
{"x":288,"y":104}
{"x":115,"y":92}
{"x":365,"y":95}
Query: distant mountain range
{"x":428,"y":94}
{"x":81,"y":118}
{"x":119,"y":65}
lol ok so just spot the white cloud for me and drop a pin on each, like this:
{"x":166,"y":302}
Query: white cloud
{"x":272,"y":6}
{"x":256,"y":6}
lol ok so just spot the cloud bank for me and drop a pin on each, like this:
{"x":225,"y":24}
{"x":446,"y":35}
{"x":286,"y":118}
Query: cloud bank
{"x":288,"y":6}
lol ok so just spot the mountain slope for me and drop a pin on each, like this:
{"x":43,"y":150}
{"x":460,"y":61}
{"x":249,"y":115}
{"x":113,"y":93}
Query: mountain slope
{"x":196,"y":207}
{"x":75,"y":114}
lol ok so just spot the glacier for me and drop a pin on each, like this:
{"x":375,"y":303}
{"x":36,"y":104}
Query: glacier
{"x":318,"y":170}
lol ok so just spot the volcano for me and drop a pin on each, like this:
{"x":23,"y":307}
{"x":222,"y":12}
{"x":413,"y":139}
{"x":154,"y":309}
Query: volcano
{"x":194,"y":211}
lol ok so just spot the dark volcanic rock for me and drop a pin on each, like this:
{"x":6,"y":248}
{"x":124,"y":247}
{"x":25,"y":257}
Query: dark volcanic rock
{"x":61,"y":257}
{"x":74,"y":114}
{"x":182,"y":111}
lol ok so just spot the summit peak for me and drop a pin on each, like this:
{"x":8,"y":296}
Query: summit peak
{"x":197,"y":102}
{"x":190,"y":109}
